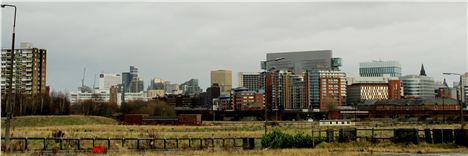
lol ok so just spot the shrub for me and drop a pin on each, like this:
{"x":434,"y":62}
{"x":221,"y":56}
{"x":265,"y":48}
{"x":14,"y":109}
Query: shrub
{"x":278,"y":139}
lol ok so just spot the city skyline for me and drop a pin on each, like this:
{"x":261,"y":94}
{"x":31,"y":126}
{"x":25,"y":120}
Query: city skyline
{"x":200,"y":37}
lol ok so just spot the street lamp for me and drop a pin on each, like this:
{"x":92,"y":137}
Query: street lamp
{"x":265,"y":105}
{"x":462,"y":120}
{"x":9,"y":105}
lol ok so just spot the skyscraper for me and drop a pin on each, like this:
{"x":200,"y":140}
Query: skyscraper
{"x":326,"y":89}
{"x":137,"y":85}
{"x":131,"y":82}
{"x":224,"y":79}
{"x":29,"y":69}
{"x":380,"y":69}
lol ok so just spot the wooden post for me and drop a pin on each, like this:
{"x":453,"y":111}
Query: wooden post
{"x":212,"y":142}
{"x":123,"y":142}
{"x":177,"y":143}
{"x":190,"y":143}
{"x":313,"y":139}
{"x":78,"y":144}
{"x":26,"y":143}
{"x":108,"y":143}
{"x":164,"y":143}
{"x":138,"y":143}
{"x":94,"y":140}
{"x":201,"y":143}
{"x":61,"y":143}
{"x":223,"y":142}
{"x":372,"y":137}
{"x":320,"y":133}
{"x":45,"y":144}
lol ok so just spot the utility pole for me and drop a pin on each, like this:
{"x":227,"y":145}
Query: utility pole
{"x":10,"y":106}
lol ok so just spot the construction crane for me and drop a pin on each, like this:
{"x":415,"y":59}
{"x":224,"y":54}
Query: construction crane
{"x":84,"y":88}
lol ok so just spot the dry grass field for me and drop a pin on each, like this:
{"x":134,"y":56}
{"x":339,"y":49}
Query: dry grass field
{"x":91,"y":126}
{"x":43,"y":126}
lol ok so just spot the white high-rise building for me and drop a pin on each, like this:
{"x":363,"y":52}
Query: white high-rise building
{"x":106,"y":81}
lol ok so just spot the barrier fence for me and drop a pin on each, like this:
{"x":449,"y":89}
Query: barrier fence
{"x":374,"y":135}
{"x":84,"y":144}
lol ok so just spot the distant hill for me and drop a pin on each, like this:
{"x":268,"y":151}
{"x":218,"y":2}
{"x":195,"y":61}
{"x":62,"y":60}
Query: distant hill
{"x":60,"y":120}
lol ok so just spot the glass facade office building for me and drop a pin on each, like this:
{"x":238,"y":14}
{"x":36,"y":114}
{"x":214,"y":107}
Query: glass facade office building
{"x":379,"y":69}
{"x":417,"y":86}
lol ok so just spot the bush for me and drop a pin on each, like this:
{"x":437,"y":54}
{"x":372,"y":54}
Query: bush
{"x":278,"y":139}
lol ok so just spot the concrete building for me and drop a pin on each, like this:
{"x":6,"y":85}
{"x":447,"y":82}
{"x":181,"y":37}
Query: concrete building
{"x":285,"y":90}
{"x":358,"y":93}
{"x":29,"y":68}
{"x":244,"y":99}
{"x":212,"y":92}
{"x":155,"y":93}
{"x":380,"y":69}
{"x":190,"y":87}
{"x":326,"y":89}
{"x":418,"y":85}
{"x":106,"y":96}
{"x":300,"y":61}
{"x":137,"y":85}
{"x":106,"y":81}
{"x":173,"y":89}
{"x":157,"y":84}
{"x":223,"y":103}
{"x":465,"y":88}
{"x":360,"y":89}
{"x":250,"y":80}
{"x":224,"y":79}
{"x":464,"y":92}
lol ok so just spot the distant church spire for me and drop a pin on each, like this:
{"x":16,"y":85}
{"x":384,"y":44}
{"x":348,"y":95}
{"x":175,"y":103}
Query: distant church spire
{"x":422,"y":72}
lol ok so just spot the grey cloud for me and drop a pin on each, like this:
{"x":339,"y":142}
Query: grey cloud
{"x":178,"y":41}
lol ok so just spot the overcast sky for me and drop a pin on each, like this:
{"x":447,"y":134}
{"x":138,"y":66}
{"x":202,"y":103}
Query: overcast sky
{"x":179,"y":41}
